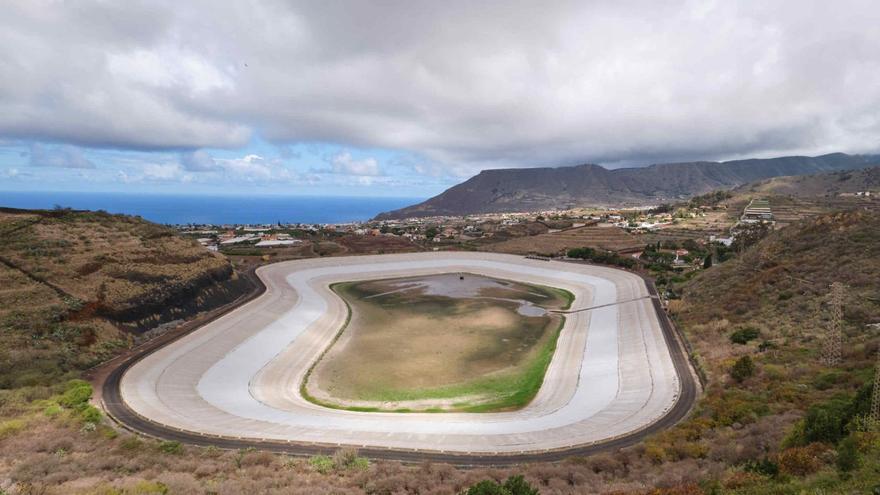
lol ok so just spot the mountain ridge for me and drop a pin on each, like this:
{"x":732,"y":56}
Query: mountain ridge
{"x":546,"y":188}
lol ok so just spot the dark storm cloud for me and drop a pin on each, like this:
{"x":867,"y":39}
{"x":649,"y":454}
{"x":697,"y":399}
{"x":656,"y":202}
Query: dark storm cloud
{"x":463,"y":84}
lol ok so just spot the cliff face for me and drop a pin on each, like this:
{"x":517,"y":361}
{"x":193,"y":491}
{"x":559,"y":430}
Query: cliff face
{"x":531,"y":189}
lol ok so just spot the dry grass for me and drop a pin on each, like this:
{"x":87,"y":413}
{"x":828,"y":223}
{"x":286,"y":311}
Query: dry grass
{"x":417,"y":351}
{"x":113,"y":260}
{"x":74,"y":285}
{"x":606,"y":237}
{"x":365,"y":244}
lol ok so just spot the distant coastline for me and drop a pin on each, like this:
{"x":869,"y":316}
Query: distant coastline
{"x":214,"y":209}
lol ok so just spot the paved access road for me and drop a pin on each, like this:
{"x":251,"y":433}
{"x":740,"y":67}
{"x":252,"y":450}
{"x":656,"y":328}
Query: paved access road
{"x":617,"y":374}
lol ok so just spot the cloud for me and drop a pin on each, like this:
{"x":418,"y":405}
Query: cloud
{"x":343,"y":163}
{"x":198,"y":161}
{"x":162,"y":171}
{"x":59,"y":157}
{"x":250,"y":167}
{"x":462,"y":85}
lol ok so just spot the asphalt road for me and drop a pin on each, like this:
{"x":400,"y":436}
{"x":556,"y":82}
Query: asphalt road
{"x":122,"y":413}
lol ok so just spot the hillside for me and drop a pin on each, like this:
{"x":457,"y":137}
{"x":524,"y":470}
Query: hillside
{"x":783,"y":281}
{"x":77,"y":287}
{"x":784,"y":424}
{"x":827,"y":184}
{"x":757,"y":325}
{"x":535,"y":189}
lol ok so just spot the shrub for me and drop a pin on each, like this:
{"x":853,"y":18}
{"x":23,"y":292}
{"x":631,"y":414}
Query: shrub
{"x":764,"y":467}
{"x":655,"y":453}
{"x":321,"y":463}
{"x":52,"y":410}
{"x":486,"y":487}
{"x":77,"y":394}
{"x":515,"y":485}
{"x":147,"y":488}
{"x":847,"y":455}
{"x":830,"y":421}
{"x":343,"y":458}
{"x":826,"y":422}
{"x":90,"y":414}
{"x":131,"y":443}
{"x":827,"y":380}
{"x":742,"y":369}
{"x":799,"y":461}
{"x":744,"y":335}
{"x":11,"y":427}
{"x":170,"y":447}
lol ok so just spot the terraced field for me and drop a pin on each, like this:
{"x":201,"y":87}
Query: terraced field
{"x":607,"y":237}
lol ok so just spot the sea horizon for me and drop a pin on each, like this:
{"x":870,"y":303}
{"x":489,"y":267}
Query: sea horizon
{"x":212,"y":208}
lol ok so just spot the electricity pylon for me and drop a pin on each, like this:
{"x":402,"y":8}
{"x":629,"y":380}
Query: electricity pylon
{"x":874,"y":414}
{"x":834,"y":335}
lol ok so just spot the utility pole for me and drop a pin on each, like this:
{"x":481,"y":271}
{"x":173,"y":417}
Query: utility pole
{"x":834,"y":335}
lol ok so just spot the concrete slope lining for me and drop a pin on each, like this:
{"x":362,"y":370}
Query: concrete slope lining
{"x":238,"y":376}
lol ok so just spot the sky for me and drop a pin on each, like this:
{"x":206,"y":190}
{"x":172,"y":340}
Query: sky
{"x":406,"y":98}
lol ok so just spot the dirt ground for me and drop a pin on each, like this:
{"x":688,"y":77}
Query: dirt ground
{"x":435,"y":342}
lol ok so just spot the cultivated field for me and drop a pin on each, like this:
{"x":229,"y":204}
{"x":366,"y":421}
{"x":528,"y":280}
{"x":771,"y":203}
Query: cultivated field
{"x":441,"y":342}
{"x":607,"y":237}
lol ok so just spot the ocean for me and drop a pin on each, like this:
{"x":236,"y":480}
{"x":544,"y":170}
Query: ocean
{"x":203,"y":209}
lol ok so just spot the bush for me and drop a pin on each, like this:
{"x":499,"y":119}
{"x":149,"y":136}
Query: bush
{"x":800,"y":461}
{"x":11,"y":427}
{"x":131,"y":443}
{"x":171,"y":447}
{"x":321,"y":463}
{"x":827,"y":380}
{"x":76,"y":395}
{"x":847,"y":455}
{"x":764,"y":467}
{"x":52,"y":410}
{"x":90,"y":414}
{"x":742,"y":369}
{"x":826,"y":422}
{"x":515,"y":485}
{"x":744,"y":335}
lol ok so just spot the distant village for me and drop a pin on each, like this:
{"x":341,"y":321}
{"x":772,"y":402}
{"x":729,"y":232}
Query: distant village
{"x":474,"y":231}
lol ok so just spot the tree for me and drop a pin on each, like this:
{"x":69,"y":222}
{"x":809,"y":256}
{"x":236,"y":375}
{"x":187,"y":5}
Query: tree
{"x":707,"y":262}
{"x":742,"y":369}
